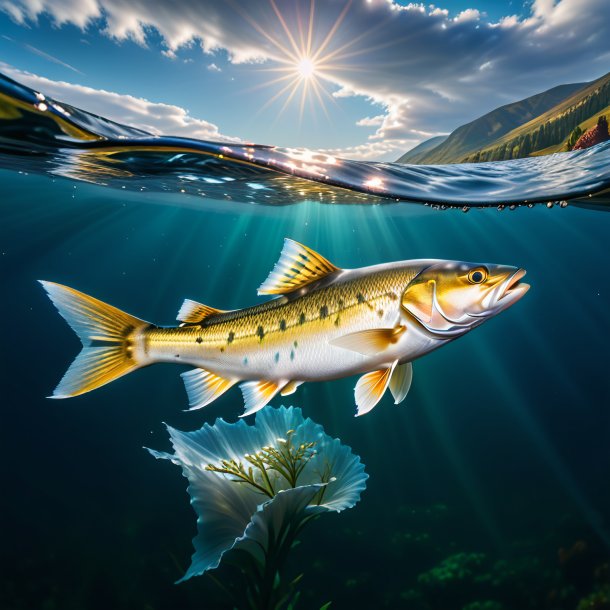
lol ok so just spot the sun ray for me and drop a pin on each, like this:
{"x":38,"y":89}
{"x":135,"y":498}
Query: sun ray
{"x":263,"y":32}
{"x":332,"y":31}
{"x":286,"y":28}
{"x":316,"y":91}
{"x":287,"y":102}
{"x":307,"y":60}
{"x":303,"y":98}
{"x":279,"y":79}
{"x":312,"y":10}
{"x":277,"y":95}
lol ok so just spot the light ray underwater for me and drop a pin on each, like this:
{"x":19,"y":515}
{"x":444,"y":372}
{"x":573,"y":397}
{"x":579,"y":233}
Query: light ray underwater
{"x":274,"y":172}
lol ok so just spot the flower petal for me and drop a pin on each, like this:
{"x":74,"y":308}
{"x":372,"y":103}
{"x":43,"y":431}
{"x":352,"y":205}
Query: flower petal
{"x":232,"y":514}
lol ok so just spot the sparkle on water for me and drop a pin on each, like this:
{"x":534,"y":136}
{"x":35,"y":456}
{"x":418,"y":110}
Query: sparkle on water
{"x":74,"y":144}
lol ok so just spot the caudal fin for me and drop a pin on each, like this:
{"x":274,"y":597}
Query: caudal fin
{"x":107,"y":335}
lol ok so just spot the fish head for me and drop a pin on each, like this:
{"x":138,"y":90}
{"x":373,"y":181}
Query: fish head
{"x":450,"y":297}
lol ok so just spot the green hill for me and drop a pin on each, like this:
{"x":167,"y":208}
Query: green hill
{"x":413,"y":155}
{"x":550,"y":132}
{"x":484,"y":131}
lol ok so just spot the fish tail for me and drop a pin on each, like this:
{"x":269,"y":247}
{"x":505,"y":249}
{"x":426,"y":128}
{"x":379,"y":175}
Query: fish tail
{"x":107,"y":335}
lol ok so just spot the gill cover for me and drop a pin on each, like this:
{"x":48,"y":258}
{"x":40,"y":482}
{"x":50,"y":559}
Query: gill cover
{"x":422,"y":300}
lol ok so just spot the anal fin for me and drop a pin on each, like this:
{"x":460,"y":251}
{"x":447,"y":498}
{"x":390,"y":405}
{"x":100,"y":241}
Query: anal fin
{"x":204,"y":387}
{"x":290,"y":388}
{"x":258,"y":393}
{"x":371,"y":387}
{"x":400,"y":383}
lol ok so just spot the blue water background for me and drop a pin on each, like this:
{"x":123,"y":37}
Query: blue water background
{"x":500,"y":448}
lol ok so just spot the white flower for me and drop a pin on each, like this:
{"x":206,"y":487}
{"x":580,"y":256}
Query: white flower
{"x":250,"y":490}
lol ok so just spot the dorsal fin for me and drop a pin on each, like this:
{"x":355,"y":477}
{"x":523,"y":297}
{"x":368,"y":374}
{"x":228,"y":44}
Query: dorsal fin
{"x":297,"y":266}
{"x":192,"y":312}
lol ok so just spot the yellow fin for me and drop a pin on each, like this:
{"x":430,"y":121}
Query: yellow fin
{"x":370,"y":342}
{"x":400,"y":383}
{"x":290,"y":388}
{"x":298,"y":266}
{"x":257,"y":394}
{"x":192,"y":312}
{"x":370,"y":389}
{"x":204,"y":387}
{"x":107,"y":337}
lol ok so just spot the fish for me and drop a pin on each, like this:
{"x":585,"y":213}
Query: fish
{"x":323,"y":323}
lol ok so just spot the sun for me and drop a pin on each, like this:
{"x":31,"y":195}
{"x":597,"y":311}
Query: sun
{"x":306,"y":68}
{"x":306,"y":54}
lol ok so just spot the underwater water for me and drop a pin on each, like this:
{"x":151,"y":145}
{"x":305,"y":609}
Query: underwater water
{"x":488,"y":486}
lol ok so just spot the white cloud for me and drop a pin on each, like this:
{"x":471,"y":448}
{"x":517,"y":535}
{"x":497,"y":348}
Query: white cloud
{"x":214,"y":68}
{"x":374,"y":121}
{"x":386,"y":149}
{"x":470,"y":14}
{"x":427,"y":70}
{"x":154,"y":117}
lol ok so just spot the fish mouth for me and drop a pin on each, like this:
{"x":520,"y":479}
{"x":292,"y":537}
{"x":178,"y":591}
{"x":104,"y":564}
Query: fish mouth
{"x":513,"y":289}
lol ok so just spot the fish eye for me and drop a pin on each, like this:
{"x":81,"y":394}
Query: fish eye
{"x":478,"y":275}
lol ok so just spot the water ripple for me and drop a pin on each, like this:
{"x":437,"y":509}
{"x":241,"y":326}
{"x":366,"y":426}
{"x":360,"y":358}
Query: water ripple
{"x":39,"y":134}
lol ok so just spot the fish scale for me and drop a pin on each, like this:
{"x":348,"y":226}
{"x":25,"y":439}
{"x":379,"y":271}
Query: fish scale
{"x":326,"y":323}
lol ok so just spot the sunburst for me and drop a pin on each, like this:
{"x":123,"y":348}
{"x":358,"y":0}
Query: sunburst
{"x":306,"y":59}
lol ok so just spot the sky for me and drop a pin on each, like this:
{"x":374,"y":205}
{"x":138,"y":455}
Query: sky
{"x":364,"y":79}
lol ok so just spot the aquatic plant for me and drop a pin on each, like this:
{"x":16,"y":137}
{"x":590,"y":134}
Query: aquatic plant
{"x":255,"y":487}
{"x":488,"y":604}
{"x":597,"y":600}
{"x":455,"y":568}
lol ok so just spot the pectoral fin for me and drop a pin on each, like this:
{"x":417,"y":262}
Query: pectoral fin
{"x":297,"y":267}
{"x":290,"y":388}
{"x":204,"y":387}
{"x":370,"y":342}
{"x":257,"y":394}
{"x":401,"y":381}
{"x":370,"y":389}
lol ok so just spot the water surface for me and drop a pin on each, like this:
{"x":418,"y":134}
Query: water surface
{"x":496,"y":465}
